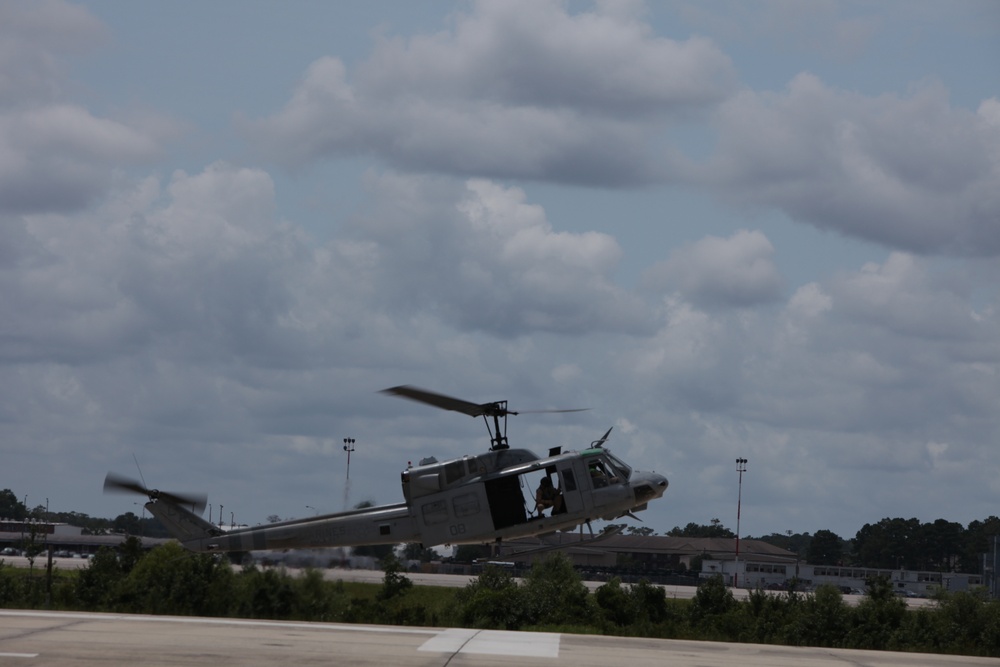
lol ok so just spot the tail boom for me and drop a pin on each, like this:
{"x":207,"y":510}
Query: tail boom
{"x":389,"y":524}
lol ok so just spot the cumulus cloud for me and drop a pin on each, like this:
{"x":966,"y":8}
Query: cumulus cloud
{"x":521,"y":90}
{"x":530,"y":91}
{"x":59,"y":157}
{"x":735,"y":271}
{"x":35,"y":39}
{"x":890,"y":348}
{"x":485,"y":259}
{"x":913,"y":173}
{"x":55,"y":155}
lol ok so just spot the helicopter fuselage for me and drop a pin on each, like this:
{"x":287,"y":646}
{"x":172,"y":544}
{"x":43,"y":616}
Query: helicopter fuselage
{"x":468,"y":500}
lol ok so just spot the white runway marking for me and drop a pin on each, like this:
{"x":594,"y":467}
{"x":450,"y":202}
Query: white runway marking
{"x":495,"y":642}
{"x":18,"y":655}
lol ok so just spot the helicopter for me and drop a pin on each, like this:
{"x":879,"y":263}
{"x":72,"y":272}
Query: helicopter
{"x":474,"y":499}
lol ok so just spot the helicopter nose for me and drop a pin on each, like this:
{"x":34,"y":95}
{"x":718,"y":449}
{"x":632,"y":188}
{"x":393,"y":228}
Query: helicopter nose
{"x":660,"y":483}
{"x":649,"y":487}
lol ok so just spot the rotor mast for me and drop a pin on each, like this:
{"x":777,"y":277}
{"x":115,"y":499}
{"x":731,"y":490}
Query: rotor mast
{"x":498,"y":435}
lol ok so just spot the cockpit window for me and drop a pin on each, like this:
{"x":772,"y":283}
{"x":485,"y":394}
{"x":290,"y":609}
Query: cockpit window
{"x":602,"y":473}
{"x":622,"y":470}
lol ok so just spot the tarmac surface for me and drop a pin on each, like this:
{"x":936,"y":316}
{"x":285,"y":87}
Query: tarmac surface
{"x":70,"y":639}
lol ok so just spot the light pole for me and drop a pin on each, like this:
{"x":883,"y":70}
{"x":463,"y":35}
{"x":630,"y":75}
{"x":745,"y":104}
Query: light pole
{"x":741,"y":467}
{"x":348,"y":447}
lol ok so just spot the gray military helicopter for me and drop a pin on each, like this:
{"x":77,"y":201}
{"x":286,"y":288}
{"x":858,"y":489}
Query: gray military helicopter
{"x":474,"y":499}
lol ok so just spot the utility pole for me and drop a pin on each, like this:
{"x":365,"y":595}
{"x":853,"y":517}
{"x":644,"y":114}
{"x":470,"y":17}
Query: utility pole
{"x":741,"y":467}
{"x":348,"y":447}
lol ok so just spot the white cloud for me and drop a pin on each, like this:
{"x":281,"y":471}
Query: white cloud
{"x":734,"y":271}
{"x":35,"y":38}
{"x":54,"y":155}
{"x":484,"y":259}
{"x":912,"y":173}
{"x":522,"y":90}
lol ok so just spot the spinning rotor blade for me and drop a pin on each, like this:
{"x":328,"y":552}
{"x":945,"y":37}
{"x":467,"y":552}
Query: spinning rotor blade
{"x":446,"y":402}
{"x":496,"y":409}
{"x":120,"y":484}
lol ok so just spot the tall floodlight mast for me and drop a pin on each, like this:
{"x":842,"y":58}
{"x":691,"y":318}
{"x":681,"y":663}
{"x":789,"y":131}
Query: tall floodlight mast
{"x":741,"y":467}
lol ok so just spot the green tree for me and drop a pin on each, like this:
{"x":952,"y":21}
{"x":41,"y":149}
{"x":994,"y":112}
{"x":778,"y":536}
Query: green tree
{"x":394,"y":583}
{"x":825,"y":548}
{"x":97,"y":584}
{"x":265,"y":593}
{"x":977,"y":540}
{"x":493,"y":600}
{"x":714,"y":529}
{"x":711,"y":599}
{"x":172,"y":580}
{"x":11,"y":507}
{"x":822,"y":620}
{"x":554,"y":592}
{"x":878,"y":617}
{"x":639,"y":607}
{"x":615,"y":603}
{"x":939,"y":546}
{"x":888,"y":544}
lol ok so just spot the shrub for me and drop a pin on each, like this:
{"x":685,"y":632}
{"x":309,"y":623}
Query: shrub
{"x":555,"y":594}
{"x":492,"y":600}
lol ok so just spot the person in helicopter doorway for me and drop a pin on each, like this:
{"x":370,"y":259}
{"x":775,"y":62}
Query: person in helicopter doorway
{"x":548,"y":496}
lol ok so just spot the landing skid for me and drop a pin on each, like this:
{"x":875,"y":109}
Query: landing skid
{"x":610,"y":532}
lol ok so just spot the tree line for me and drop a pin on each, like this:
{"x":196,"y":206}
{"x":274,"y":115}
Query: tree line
{"x":551,"y":597}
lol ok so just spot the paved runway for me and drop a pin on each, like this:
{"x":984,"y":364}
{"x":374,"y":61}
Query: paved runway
{"x":69,"y":639}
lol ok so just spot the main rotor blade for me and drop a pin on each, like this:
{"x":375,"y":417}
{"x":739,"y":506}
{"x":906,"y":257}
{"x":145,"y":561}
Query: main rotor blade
{"x":442,"y":401}
{"x":458,"y":405}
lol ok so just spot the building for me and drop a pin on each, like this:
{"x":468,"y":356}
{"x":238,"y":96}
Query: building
{"x":751,"y":572}
{"x":654,"y":557}
{"x":60,"y":537}
{"x":662,"y":559}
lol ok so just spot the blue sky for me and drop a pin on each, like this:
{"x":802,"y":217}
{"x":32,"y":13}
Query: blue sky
{"x":766,"y":230}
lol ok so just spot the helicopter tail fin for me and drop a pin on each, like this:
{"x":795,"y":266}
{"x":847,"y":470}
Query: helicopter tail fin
{"x":181,"y":523}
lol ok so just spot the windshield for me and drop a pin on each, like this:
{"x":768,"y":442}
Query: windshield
{"x":624,"y":471}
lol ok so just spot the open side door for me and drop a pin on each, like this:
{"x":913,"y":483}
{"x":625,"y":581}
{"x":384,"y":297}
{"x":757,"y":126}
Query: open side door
{"x":506,"y":501}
